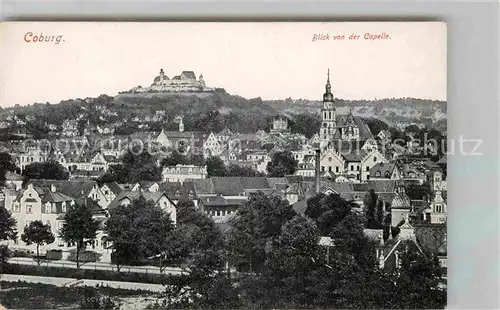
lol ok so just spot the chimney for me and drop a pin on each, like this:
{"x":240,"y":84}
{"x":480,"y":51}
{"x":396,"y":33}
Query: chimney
{"x":318,"y":153}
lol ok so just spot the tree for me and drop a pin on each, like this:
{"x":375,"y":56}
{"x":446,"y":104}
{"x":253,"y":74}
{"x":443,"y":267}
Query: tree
{"x":418,"y":282}
{"x":258,"y":221}
{"x":291,"y":259}
{"x":7,"y":225}
{"x":50,"y":170}
{"x":7,"y":231}
{"x":418,"y":192}
{"x":6,"y":164}
{"x":370,"y":206}
{"x":349,"y":239}
{"x":375,"y":125}
{"x":138,"y":230}
{"x":215,"y":167}
{"x":79,"y":226}
{"x":134,"y":168}
{"x":282,"y":164}
{"x":38,"y":233}
{"x":234,"y":170}
{"x":327,"y":210}
{"x":306,"y":124}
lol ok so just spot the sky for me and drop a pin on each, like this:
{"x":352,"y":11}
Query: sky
{"x":267,"y":60}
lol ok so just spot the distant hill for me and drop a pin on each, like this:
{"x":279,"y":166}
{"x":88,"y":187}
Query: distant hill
{"x":215,"y":110}
{"x":431,"y":113}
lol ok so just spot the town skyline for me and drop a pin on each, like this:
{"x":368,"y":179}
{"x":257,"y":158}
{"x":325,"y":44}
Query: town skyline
{"x":249,"y":60}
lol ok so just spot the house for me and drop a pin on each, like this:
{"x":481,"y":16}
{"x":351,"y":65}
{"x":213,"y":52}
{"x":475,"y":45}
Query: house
{"x":211,"y":146}
{"x":180,"y":173}
{"x":30,"y":156}
{"x":111,"y":190}
{"x":224,"y":135}
{"x":384,"y":135}
{"x":437,"y":211}
{"x":178,"y":191}
{"x":77,"y":189}
{"x":150,"y":186}
{"x":159,"y":199}
{"x":280,"y":125}
{"x":219,"y":208}
{"x":70,"y":128}
{"x":385,"y":171}
{"x":13,"y":179}
{"x":44,"y":204}
{"x":400,"y":206}
{"x":436,"y":181}
{"x":370,"y":159}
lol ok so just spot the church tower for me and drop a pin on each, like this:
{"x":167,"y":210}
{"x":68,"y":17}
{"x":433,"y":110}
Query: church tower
{"x":328,"y":115}
{"x":162,"y":76}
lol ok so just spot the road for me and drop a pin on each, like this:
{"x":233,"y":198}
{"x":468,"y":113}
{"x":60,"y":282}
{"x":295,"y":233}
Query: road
{"x":95,"y":266}
{"x":69,"y":282}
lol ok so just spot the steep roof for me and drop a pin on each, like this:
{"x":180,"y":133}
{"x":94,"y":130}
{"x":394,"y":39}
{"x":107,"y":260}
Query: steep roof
{"x":178,"y":190}
{"x":114,"y":187}
{"x":189,"y":74}
{"x":227,"y":186}
{"x":55,"y":197}
{"x":254,"y":183}
{"x":71,"y":188}
{"x":382,"y":169}
{"x":134,"y":195}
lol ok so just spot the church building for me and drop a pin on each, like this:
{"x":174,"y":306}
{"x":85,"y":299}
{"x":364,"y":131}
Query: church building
{"x":346,"y":142}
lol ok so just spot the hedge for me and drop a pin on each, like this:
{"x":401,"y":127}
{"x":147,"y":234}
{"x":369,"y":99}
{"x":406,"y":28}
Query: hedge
{"x":104,"y":275}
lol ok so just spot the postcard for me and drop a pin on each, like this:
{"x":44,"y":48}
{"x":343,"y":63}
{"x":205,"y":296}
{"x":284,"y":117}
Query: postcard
{"x":223,"y":165}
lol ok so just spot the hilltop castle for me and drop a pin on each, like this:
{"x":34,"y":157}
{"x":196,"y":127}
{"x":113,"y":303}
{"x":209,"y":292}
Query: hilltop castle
{"x":185,"y":82}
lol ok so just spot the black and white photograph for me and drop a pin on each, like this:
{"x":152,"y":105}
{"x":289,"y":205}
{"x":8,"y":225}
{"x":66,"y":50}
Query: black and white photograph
{"x":223,"y":165}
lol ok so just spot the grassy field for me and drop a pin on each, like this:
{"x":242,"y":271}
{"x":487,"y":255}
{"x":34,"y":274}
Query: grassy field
{"x":23,"y":295}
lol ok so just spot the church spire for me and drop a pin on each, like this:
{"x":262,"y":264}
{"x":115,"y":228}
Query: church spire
{"x":328,"y":96}
{"x":328,"y":86}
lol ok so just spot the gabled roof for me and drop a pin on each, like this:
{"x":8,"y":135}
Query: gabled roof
{"x":384,"y":186}
{"x":114,"y":187}
{"x":383,"y":169}
{"x":134,"y":195}
{"x":178,"y":190}
{"x":55,"y":197}
{"x":189,"y":74}
{"x":71,"y":188}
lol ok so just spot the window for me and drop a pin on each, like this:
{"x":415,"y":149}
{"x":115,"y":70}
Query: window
{"x":29,"y":209}
{"x":337,"y":169}
{"x":47,"y":208}
{"x":329,"y":159}
{"x":352,"y":168}
{"x":357,"y":168}
{"x":374,"y":158}
{"x":17,"y":208}
{"x":367,"y":169}
{"x":439,"y":208}
{"x":323,"y":168}
{"x":330,"y":169}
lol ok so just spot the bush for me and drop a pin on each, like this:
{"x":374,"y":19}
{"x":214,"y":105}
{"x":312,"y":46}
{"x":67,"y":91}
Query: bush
{"x":54,"y":254}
